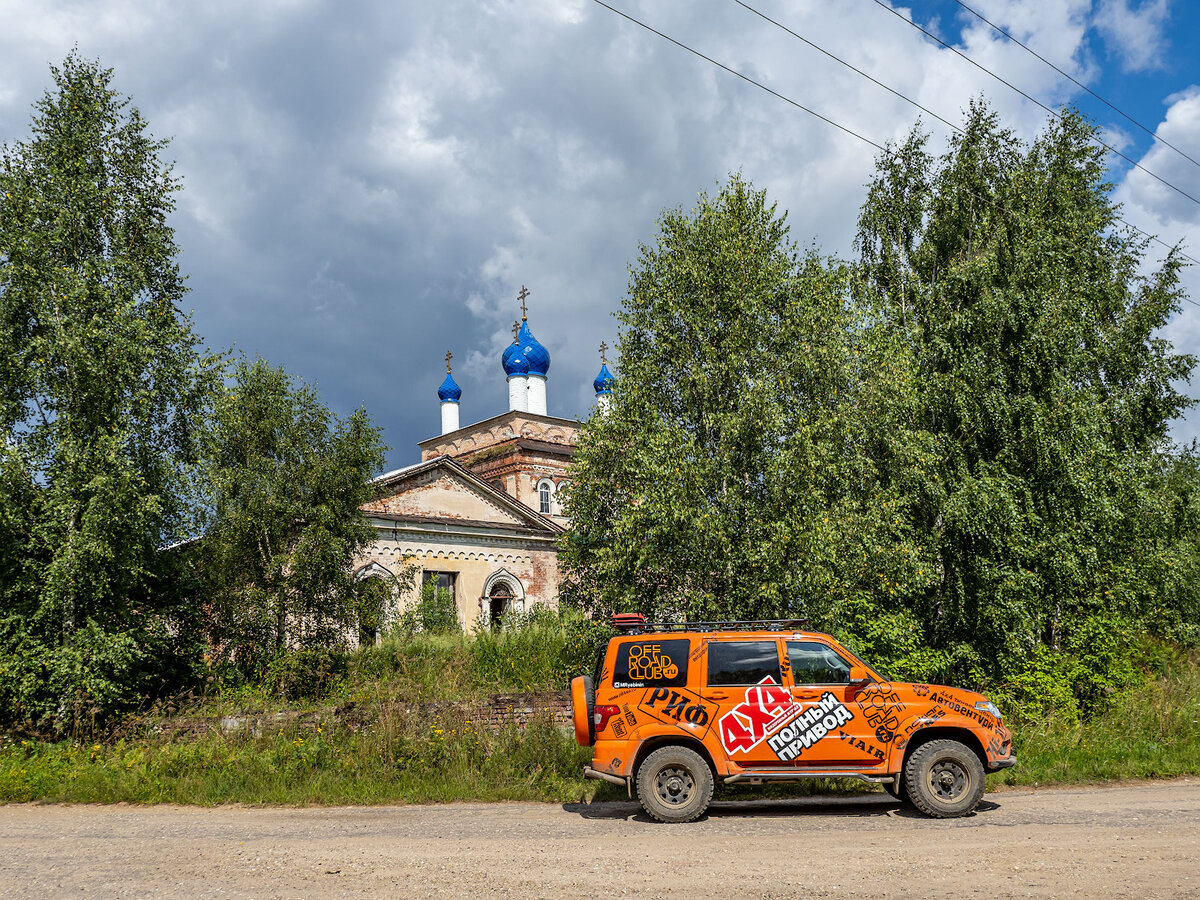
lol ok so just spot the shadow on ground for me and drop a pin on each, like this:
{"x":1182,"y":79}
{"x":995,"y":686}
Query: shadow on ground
{"x":826,"y":807}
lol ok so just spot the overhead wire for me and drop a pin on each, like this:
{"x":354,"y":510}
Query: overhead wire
{"x":880,"y":147}
{"x":951,"y":125}
{"x":1153,"y":133}
{"x":1033,"y":99}
{"x":852,"y":68}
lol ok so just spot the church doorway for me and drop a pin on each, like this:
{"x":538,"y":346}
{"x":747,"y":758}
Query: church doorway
{"x":500,"y":600}
{"x":373,"y":595}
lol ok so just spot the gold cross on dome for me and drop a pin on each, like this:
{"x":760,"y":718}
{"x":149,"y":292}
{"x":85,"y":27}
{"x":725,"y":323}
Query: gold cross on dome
{"x":603,"y":347}
{"x":516,"y":332}
{"x":449,"y":356}
{"x":524,"y":309}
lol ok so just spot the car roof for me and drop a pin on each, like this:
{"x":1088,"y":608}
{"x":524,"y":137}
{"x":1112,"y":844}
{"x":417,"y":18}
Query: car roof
{"x":722,"y":634}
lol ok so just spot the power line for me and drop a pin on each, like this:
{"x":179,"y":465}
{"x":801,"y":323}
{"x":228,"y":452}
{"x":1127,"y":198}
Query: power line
{"x":843,"y":128}
{"x":838,"y":59}
{"x":1032,"y":99}
{"x":1071,"y":78}
{"x":747,"y":78}
{"x":852,"y":68}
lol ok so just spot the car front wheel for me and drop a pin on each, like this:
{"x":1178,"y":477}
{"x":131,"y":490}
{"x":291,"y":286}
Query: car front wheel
{"x":674,"y":784}
{"x":944,"y":779}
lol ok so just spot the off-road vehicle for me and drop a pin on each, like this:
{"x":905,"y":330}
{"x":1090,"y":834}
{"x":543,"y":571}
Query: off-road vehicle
{"x":675,"y":706}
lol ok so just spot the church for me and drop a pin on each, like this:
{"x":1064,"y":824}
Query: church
{"x":479,"y":515}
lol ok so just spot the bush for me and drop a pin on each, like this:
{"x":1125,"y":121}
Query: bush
{"x":542,"y":648}
{"x":306,"y":674}
{"x":434,"y":613}
{"x":82,"y":688}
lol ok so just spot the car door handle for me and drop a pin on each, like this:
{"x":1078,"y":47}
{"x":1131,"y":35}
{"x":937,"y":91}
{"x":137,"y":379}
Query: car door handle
{"x":717,"y":696}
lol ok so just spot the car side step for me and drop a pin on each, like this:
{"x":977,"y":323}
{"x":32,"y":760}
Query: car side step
{"x":757,"y":776}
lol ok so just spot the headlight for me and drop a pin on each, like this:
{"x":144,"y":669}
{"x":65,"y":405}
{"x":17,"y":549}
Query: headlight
{"x":989,"y":707}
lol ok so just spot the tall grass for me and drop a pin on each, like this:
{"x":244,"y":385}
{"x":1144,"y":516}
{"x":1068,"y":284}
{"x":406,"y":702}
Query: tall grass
{"x":1153,"y":731}
{"x":391,"y":762}
{"x":381,"y":729}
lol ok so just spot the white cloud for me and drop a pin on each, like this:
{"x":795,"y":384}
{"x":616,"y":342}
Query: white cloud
{"x":1160,"y":211}
{"x":1136,"y":35}
{"x":369,"y":184}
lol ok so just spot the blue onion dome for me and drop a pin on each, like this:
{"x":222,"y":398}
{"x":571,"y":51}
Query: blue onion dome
{"x":604,"y":381}
{"x":514,"y":361}
{"x":449,"y":391}
{"x":536,"y":355}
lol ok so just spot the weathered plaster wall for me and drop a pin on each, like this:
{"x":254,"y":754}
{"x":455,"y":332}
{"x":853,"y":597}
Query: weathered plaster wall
{"x":438,"y":495}
{"x":474,"y":561}
{"x":498,"y":430}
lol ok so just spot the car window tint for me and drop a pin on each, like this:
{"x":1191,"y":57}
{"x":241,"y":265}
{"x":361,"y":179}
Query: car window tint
{"x":651,"y":664}
{"x":816,"y":663}
{"x":743,"y":662}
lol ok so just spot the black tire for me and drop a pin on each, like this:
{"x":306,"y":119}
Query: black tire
{"x":674,"y":784}
{"x":944,"y":779}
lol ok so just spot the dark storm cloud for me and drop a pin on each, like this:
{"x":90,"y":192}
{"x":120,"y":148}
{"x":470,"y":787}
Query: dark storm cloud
{"x":368,"y":185}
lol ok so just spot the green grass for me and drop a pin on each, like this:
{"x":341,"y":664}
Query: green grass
{"x":1151,"y":732}
{"x":402,"y":739}
{"x":434,"y":762}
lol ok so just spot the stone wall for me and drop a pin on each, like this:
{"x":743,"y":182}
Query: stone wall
{"x":499,"y":711}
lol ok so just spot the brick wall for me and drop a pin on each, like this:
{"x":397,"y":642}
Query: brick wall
{"x":500,"y":711}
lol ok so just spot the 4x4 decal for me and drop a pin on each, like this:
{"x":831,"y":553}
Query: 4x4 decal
{"x":766,"y":707}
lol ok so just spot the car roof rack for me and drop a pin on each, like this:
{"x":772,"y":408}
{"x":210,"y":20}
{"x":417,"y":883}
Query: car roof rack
{"x":635,"y":623}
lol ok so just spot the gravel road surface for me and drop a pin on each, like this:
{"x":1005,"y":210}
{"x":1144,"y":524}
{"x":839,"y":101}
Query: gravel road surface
{"x":1140,"y":840}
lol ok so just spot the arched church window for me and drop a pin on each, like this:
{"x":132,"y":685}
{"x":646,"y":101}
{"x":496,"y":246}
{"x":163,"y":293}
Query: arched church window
{"x":545,"y":496}
{"x":500,"y":600}
{"x":373,"y":596}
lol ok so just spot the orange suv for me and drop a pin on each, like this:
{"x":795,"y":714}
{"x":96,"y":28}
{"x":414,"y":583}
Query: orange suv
{"x":674,"y":707}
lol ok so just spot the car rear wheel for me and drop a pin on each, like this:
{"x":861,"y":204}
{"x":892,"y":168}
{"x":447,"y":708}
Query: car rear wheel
{"x":944,"y":779}
{"x":674,"y":784}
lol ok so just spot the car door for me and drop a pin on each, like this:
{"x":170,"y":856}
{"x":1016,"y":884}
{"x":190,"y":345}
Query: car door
{"x":831,"y":729}
{"x":744,"y":679}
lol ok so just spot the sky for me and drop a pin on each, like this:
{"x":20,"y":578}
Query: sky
{"x":367,"y":185}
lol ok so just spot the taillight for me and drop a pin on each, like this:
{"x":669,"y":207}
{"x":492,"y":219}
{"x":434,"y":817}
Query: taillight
{"x":602,"y":715}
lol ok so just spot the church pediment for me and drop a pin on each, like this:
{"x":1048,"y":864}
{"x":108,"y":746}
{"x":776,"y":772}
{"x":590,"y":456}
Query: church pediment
{"x":442,"y":490}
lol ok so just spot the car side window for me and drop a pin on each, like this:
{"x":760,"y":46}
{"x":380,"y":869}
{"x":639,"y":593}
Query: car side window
{"x":743,"y":662}
{"x":816,"y":663}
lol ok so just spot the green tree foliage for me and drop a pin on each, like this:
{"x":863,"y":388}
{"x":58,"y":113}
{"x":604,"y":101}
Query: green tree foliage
{"x":1027,"y":462}
{"x":285,"y":480}
{"x":101,"y":378}
{"x":952,"y":452}
{"x":721,"y":459}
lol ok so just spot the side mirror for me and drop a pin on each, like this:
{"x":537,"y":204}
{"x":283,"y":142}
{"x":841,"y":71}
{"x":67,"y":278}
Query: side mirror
{"x":858,"y":675}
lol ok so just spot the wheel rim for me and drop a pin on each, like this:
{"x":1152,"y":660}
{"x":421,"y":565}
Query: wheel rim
{"x":948,"y":780}
{"x":674,"y":785}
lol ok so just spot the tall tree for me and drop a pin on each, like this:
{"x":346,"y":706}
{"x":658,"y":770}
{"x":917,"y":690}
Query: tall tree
{"x":100,"y":379}
{"x":954,"y":453}
{"x":1042,"y":389}
{"x":721,"y":457}
{"x":285,"y":480}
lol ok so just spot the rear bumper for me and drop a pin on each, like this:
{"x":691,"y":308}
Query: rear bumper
{"x":1002,"y":764}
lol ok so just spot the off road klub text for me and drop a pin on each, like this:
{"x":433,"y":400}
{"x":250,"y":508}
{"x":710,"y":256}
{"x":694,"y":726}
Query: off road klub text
{"x":809,"y":727}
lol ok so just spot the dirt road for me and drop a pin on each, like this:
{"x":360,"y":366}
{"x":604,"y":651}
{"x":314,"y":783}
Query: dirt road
{"x":1133,"y":841}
